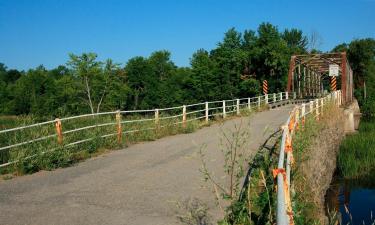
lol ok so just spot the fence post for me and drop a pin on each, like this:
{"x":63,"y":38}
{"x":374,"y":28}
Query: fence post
{"x":249,"y":103}
{"x":184,"y":116}
{"x":294,"y":95}
{"x":206,"y":114}
{"x":118,"y":125}
{"x":265,"y":99}
{"x":157,"y":118}
{"x":259,"y":101}
{"x":322,"y":105}
{"x":303,"y":110}
{"x":281,"y":96}
{"x":311,"y":106}
{"x":59,"y":131}
{"x":274,"y":97}
{"x":238,"y":106}
{"x":224,"y":115}
{"x":317,"y":108}
{"x":286,"y":95}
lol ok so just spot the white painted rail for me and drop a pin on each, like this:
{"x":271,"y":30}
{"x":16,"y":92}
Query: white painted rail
{"x":284,"y":213}
{"x":176,"y":115}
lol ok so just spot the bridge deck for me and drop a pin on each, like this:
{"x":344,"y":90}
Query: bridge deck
{"x":138,"y":185}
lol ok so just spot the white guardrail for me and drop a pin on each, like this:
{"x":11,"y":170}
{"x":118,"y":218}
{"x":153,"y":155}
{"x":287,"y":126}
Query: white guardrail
{"x":180,"y":115}
{"x":282,"y":173}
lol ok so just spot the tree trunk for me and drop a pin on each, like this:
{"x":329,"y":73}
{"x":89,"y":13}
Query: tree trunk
{"x":89,"y":94}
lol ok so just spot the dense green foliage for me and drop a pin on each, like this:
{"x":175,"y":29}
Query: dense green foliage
{"x":235,"y":68}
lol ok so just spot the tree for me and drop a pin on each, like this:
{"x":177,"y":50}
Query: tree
{"x":295,"y":40}
{"x":88,"y":69}
{"x":203,"y":82}
{"x":272,"y":58}
{"x":138,"y":72}
{"x":230,"y":60}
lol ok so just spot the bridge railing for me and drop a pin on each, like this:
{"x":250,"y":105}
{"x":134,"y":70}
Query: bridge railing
{"x":28,"y":141}
{"x":314,"y":108}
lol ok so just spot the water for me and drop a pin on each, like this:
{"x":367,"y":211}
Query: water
{"x":353,"y":200}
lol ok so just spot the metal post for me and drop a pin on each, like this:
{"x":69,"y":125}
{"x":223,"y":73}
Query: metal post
{"x":259,"y":101}
{"x":59,"y":131}
{"x":265,"y":99}
{"x":119,"y":129}
{"x":206,"y":110}
{"x":238,"y":106}
{"x":303,"y":110}
{"x":157,"y":117}
{"x":286,"y":95}
{"x":281,"y":96}
{"x":249,"y":103}
{"x":274,"y":97}
{"x":184,"y":116}
{"x":224,"y":115}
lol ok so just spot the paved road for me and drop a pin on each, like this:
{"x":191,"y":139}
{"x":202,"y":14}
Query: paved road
{"x":137,"y":185}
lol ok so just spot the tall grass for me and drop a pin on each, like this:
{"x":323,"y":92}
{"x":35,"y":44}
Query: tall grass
{"x":357,"y":152}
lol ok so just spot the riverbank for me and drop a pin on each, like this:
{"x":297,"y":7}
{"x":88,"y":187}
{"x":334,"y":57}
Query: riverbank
{"x":351,"y":195}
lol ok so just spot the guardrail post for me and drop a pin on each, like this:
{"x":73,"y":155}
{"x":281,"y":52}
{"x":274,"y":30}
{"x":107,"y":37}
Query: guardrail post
{"x":286,"y":95}
{"x":157,"y":118}
{"x":184,"y":116}
{"x":59,"y":131}
{"x":118,"y":125}
{"x":238,"y":106}
{"x":224,"y":115}
{"x":311,"y":106}
{"x":294,"y":95}
{"x":266,"y":99}
{"x":317,"y":108}
{"x":274,"y":97}
{"x":249,"y":103}
{"x":322,"y":105}
{"x":206,"y":110}
{"x":281,"y":96}
{"x":303,"y":110}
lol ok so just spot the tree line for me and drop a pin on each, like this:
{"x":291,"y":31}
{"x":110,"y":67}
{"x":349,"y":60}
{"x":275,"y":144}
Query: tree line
{"x":234,"y":69}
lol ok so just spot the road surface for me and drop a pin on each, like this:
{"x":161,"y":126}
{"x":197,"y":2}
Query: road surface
{"x":138,"y":185}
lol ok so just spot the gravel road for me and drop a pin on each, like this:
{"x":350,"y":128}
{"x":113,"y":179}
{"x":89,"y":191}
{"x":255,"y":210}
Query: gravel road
{"x":141,"y":184}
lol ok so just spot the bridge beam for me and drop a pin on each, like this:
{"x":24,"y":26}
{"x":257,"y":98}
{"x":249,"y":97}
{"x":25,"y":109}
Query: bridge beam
{"x":291,"y":74}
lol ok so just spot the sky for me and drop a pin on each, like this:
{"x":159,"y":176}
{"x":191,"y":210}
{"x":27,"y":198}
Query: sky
{"x":35,"y":32}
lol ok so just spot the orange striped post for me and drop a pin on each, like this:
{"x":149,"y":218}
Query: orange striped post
{"x":333,"y":84}
{"x":265,"y":87}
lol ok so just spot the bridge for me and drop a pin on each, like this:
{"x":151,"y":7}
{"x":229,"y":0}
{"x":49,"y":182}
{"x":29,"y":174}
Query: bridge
{"x":143,"y":183}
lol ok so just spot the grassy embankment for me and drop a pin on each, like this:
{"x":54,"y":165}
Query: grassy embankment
{"x":356,"y":159}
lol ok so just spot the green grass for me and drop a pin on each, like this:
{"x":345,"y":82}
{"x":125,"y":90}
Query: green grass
{"x":357,"y":152}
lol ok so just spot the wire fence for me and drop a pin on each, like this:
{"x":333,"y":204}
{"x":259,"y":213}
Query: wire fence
{"x":282,"y":172}
{"x":27,"y":141}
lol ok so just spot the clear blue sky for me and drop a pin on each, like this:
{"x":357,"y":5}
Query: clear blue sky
{"x":34,"y":32}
